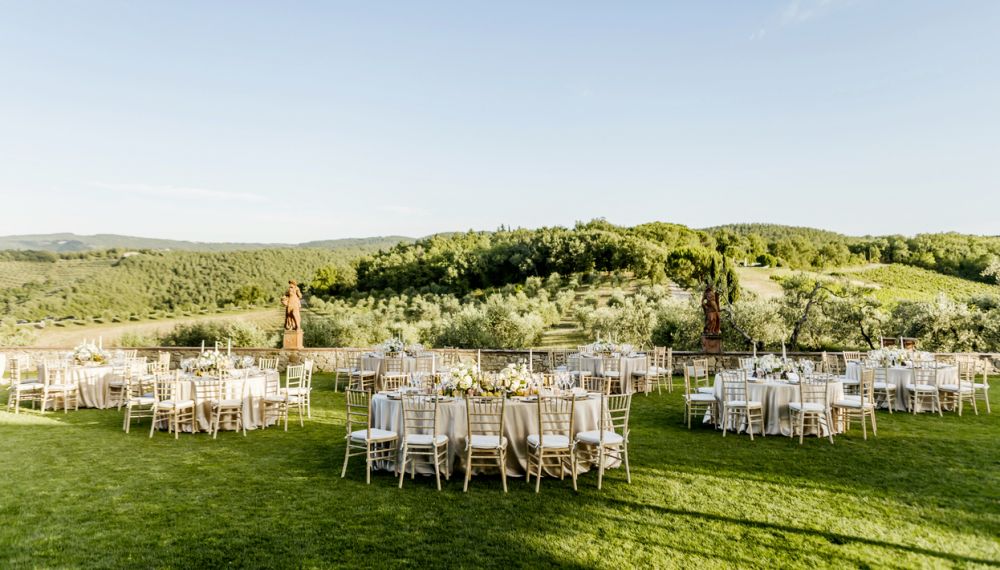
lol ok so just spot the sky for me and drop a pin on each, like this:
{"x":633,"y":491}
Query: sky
{"x":290,"y":121}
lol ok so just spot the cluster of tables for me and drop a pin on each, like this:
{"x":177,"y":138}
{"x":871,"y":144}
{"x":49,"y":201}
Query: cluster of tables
{"x":93,"y":384}
{"x":775,"y":395}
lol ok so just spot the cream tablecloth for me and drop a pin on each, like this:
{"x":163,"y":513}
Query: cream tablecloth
{"x":775,"y":396}
{"x":901,"y":376}
{"x":377,"y":364}
{"x":520,"y":420}
{"x":92,"y":381}
{"x":595,"y":365}
{"x":253,"y":391}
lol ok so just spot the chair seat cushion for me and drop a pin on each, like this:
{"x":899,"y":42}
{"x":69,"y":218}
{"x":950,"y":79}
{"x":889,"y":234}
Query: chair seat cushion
{"x":364,"y":373}
{"x":116,"y":383}
{"x":28,"y":386}
{"x":593,"y":437}
{"x":699,"y":397}
{"x":744,"y":403}
{"x":175,"y":404}
{"x":552,"y":441}
{"x":426,"y":439}
{"x":706,"y":390}
{"x":921,"y":388}
{"x":141,"y":401}
{"x":808,"y":407}
{"x":298,"y":391}
{"x":611,"y":374}
{"x":849,"y":402}
{"x":979,"y":386}
{"x":884,"y":386}
{"x":487,"y":442}
{"x":60,"y":387}
{"x":275,"y":398}
{"x":228,"y":403}
{"x":376,"y":435}
{"x":955,"y":388}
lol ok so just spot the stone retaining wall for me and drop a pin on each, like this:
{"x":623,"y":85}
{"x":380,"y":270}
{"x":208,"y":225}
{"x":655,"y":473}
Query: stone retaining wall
{"x":492,"y":359}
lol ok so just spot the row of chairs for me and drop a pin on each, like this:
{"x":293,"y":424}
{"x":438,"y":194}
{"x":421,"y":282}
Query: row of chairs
{"x":554,"y":445}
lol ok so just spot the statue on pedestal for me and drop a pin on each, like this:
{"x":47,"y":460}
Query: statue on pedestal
{"x":710,"y":304}
{"x":292,"y":301}
{"x":711,"y":337}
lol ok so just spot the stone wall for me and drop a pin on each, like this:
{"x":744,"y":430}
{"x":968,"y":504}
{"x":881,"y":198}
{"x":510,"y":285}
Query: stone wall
{"x":492,"y":359}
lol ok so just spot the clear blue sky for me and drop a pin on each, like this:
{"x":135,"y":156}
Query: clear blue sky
{"x":292,"y":121}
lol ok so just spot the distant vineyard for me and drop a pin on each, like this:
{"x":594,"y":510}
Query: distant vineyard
{"x":18,"y":273}
{"x":902,"y":282}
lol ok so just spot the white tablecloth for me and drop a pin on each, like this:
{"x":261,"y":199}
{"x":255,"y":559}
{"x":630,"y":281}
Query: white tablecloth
{"x":775,"y":396}
{"x":377,"y":364}
{"x":901,"y":376}
{"x":520,"y":420}
{"x":92,"y":381}
{"x":595,"y":365}
{"x":253,"y":392}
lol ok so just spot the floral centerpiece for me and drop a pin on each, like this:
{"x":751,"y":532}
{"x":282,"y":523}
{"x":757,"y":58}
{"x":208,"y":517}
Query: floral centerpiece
{"x":392,"y":346}
{"x":415,"y":349}
{"x":607,"y":348}
{"x":207,"y":363}
{"x":769,"y":364}
{"x":461,"y":380}
{"x":243,"y":362}
{"x":891,"y":356}
{"x":89,"y":353}
{"x":513,"y":380}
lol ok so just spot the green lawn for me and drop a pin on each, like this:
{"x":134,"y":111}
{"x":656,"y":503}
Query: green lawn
{"x":76,"y":491}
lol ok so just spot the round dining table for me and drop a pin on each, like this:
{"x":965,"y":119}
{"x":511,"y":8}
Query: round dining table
{"x":92,"y":381}
{"x":520,"y":420}
{"x":775,"y":395}
{"x":900,"y":376}
{"x":595,"y":365}
{"x":411,"y":364}
{"x":254,"y":388}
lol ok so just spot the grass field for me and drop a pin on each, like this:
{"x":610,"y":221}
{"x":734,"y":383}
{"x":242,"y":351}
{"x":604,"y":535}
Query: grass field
{"x":76,"y":491}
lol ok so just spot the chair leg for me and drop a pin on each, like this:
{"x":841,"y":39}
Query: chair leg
{"x":538,"y":475}
{"x":503,"y":469}
{"x":600,"y":466}
{"x":437,"y":469}
{"x":402,"y":472}
{"x":468,"y":472}
{"x":347,"y":455}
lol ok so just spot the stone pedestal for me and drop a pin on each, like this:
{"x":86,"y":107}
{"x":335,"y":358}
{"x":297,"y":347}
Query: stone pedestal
{"x":711,"y":343}
{"x":293,"y":340}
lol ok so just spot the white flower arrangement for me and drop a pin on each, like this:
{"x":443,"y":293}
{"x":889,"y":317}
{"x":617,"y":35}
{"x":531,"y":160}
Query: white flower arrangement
{"x":208,"y":362}
{"x":769,"y":364}
{"x":392,"y":346}
{"x":891,"y":356}
{"x":88,"y":352}
{"x":243,"y":362}
{"x":608,"y":347}
{"x":462,"y":379}
{"x":515,"y":379}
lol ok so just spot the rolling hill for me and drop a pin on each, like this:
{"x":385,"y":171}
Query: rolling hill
{"x":69,"y":242}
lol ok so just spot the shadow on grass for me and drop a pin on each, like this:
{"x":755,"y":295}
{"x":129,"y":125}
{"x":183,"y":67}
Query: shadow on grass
{"x":831,"y":537}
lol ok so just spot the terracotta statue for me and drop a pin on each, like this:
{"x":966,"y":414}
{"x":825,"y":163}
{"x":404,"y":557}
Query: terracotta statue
{"x":710,"y":304}
{"x":292,"y":301}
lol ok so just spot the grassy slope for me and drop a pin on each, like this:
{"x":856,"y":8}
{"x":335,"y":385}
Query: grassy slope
{"x":72,"y":334}
{"x":79,"y":492}
{"x":893,"y":282}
